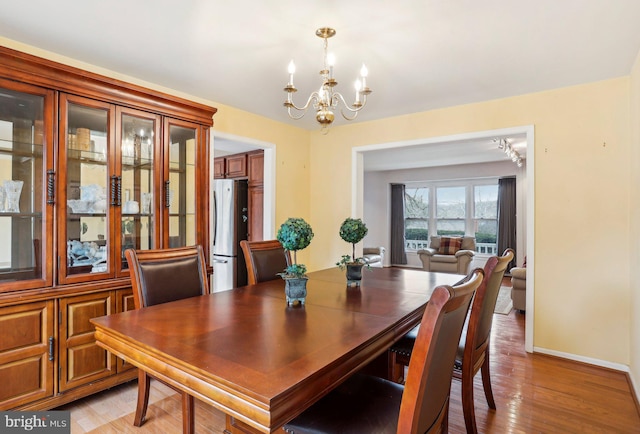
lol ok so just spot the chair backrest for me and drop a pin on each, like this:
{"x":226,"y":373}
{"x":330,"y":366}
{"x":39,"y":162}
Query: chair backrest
{"x":481,"y":315}
{"x":425,"y":400}
{"x":264,"y":260}
{"x":163,"y":275}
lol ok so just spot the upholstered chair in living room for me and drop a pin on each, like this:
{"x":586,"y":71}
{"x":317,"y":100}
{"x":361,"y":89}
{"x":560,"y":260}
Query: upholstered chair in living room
{"x":519,"y":290}
{"x":374,"y":256}
{"x":448,"y":254}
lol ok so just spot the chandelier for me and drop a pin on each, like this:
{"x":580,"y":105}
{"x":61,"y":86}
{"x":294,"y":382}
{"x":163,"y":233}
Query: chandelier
{"x":326,"y":99}
{"x":508,"y":149}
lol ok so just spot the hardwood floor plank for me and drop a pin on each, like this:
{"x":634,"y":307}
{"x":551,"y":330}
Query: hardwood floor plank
{"x":534,"y":393}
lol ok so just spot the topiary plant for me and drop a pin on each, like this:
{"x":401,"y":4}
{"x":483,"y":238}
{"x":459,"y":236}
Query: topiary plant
{"x":295,"y":234}
{"x":352,"y":231}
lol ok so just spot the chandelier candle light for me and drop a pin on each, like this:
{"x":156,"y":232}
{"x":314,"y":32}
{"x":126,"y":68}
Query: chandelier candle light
{"x":325,"y":99}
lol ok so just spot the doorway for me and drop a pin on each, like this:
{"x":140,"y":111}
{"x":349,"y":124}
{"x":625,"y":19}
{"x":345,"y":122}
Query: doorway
{"x":226,"y":144}
{"x":464,"y":143}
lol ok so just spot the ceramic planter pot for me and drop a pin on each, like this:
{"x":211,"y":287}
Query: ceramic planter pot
{"x":295,"y":288}
{"x":354,"y":274}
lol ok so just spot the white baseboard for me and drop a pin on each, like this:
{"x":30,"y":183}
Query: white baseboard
{"x":635,"y":386}
{"x":588,"y":360}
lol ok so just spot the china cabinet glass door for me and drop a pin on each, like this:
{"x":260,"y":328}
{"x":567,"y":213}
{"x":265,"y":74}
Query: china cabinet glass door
{"x":138,"y":135}
{"x":182,"y":193}
{"x":26,"y":161}
{"x":88,"y":189}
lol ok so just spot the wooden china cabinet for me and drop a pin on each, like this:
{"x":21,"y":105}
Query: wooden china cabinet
{"x":89,"y":166}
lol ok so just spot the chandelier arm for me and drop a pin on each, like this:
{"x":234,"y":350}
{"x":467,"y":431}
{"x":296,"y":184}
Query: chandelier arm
{"x":355,"y":111}
{"x":304,"y":108}
{"x":294,"y":117}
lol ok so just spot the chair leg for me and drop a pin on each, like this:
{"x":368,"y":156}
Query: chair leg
{"x":467,"y":402}
{"x":486,"y":381}
{"x":445,"y":422}
{"x":396,"y":370}
{"x":188,"y":415}
{"x":144,"y":382}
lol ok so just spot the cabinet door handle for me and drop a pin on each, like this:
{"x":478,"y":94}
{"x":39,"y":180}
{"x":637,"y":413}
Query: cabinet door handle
{"x":114,"y":188}
{"x":51,"y":187}
{"x":167,"y":196}
{"x":50,"y":348}
{"x":119,"y":190}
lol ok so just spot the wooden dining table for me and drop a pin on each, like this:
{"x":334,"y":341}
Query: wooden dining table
{"x":260,"y":361}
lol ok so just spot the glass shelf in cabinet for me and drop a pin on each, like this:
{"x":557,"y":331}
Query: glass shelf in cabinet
{"x":142,"y":163}
{"x":20,"y":214}
{"x":87,"y":214}
{"x":87,"y":156}
{"x":179,"y":170}
{"x":37,"y":150}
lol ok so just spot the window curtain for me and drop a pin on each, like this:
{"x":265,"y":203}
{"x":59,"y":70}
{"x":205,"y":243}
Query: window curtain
{"x":507,"y":216}
{"x":398,"y":255}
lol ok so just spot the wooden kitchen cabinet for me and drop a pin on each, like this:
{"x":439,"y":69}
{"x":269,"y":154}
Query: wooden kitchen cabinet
{"x":219,"y":167}
{"x":236,"y":166}
{"x":131,"y":170}
{"x":256,"y":195}
{"x":232,"y":166}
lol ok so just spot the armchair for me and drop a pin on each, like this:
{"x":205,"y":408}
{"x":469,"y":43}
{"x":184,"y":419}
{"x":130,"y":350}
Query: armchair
{"x":374,"y":256}
{"x":519,"y":290}
{"x":448,"y":254}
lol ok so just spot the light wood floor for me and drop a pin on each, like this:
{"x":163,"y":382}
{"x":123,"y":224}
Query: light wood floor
{"x":534,"y":394}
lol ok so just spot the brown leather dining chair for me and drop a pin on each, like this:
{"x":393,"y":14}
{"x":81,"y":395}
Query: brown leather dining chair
{"x":473,"y":348}
{"x":264,"y":260}
{"x":160,"y":276}
{"x":368,"y":404}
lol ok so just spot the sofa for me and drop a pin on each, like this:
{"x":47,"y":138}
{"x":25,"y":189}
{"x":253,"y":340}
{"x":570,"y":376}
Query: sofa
{"x":448,"y":254}
{"x":374,"y":256}
{"x":519,"y":290}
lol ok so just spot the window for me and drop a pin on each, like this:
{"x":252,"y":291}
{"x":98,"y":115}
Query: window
{"x":416,"y":218}
{"x":451,"y":210}
{"x":455,"y":208}
{"x":485,"y":204}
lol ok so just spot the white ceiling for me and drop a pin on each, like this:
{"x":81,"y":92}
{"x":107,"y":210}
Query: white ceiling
{"x":421,"y":54}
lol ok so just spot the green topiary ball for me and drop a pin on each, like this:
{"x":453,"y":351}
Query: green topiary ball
{"x":295,"y":234}
{"x":353,"y":230}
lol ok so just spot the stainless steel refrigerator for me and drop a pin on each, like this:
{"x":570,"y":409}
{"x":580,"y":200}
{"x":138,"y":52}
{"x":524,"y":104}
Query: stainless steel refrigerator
{"x":230,"y":227}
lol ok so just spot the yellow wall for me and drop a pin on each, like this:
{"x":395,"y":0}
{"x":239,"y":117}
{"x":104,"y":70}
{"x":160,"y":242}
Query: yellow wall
{"x":582,"y":188}
{"x":634,"y":239}
{"x":582,"y":145}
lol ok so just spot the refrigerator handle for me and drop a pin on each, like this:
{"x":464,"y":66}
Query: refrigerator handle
{"x":215,"y":216}
{"x":220,"y":261}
